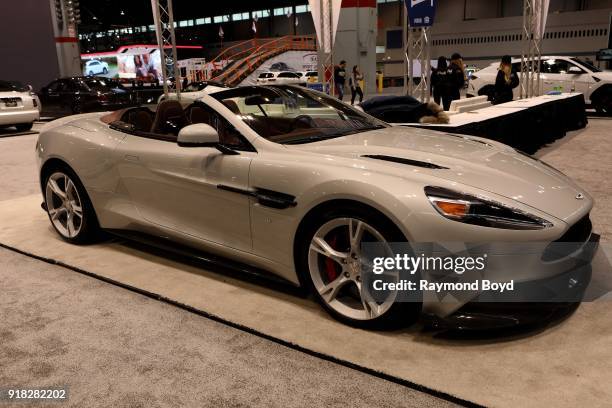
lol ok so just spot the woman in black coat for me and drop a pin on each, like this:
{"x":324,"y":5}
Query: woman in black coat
{"x":505,"y":82}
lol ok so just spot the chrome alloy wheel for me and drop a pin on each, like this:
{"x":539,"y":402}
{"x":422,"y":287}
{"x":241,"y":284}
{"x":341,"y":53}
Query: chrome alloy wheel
{"x":64,"y":205}
{"x":335,"y":262}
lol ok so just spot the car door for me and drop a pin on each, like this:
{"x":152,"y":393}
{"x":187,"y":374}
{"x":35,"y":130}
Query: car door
{"x":552,"y":75}
{"x":67,"y":95}
{"x":576,"y":77}
{"x":188,"y":189}
{"x":50,"y":98}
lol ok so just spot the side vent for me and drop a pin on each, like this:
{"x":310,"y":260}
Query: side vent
{"x":409,"y":162}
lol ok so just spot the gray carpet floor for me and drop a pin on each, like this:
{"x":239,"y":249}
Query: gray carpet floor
{"x":116,"y":348}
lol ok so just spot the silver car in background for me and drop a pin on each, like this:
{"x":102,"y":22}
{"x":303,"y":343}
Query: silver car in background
{"x":19,"y":106}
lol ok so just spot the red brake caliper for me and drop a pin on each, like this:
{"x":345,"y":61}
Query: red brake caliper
{"x":331,"y":268}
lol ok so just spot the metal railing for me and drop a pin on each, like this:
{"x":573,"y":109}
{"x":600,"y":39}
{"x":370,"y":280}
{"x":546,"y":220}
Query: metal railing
{"x":257,"y":55}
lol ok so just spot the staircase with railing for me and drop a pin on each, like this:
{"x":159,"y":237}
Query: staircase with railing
{"x":241,"y":59}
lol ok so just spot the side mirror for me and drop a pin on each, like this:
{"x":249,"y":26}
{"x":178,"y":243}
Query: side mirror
{"x":575,"y":71}
{"x":198,"y":135}
{"x":29,"y":88}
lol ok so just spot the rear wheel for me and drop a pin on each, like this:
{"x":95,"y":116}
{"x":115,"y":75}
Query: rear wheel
{"x":331,"y":262}
{"x":23,"y":127}
{"x":68,"y":207}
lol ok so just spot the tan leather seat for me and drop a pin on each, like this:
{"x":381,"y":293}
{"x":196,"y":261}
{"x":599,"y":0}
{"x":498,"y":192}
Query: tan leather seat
{"x":197,"y":114}
{"x":142,"y":121}
{"x":169,"y":119}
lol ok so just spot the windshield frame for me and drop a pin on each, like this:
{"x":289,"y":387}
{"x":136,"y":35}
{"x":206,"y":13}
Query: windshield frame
{"x":345,"y":112}
{"x":96,"y":84}
{"x":585,"y":64}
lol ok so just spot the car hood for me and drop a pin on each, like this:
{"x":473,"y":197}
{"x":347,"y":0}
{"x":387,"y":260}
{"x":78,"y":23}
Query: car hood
{"x":464,"y":160}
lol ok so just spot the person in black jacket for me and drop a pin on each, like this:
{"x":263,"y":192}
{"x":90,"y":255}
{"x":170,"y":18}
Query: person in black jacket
{"x":439,"y":83}
{"x":340,"y":79}
{"x":457,"y":76}
{"x":505,"y":82}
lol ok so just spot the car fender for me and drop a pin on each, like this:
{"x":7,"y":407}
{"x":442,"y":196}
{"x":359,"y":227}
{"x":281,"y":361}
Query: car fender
{"x":85,"y":144}
{"x":274,"y":230}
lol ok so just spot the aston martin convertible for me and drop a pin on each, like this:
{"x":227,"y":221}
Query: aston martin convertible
{"x":294,"y":182}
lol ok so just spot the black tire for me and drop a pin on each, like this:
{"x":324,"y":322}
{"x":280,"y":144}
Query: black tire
{"x":91,"y":73}
{"x":24,"y":127}
{"x":604,"y":104}
{"x":105,"y":71}
{"x":400,"y":314}
{"x":76,"y":107}
{"x":89,"y":227}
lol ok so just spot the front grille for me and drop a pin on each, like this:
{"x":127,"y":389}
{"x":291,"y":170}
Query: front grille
{"x":570,"y":242}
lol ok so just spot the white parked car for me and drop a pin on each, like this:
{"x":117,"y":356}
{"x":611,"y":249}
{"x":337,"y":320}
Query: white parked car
{"x":280,"y":78}
{"x":19,"y":106}
{"x":297,"y":183}
{"x":310,"y":76}
{"x":557,"y":73}
{"x":95,"y":67}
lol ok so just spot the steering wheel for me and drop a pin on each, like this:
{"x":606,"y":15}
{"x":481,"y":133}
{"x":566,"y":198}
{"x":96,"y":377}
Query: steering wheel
{"x":304,"y":119}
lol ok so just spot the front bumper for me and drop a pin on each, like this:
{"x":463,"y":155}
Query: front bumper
{"x":15,"y":117}
{"x":536,"y":280}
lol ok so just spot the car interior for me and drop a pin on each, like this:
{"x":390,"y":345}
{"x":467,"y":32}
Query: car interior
{"x":170,"y":117}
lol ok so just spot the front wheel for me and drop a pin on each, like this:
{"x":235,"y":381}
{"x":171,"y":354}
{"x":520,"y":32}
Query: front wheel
{"x":76,"y":107}
{"x":332,"y":262}
{"x":69,"y":208}
{"x":105,"y":71}
{"x":604,"y":105}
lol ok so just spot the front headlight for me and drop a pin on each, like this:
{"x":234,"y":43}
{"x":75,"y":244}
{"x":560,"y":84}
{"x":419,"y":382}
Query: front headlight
{"x":472,"y":210}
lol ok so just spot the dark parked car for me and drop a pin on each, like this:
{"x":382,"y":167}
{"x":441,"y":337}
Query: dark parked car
{"x":67,"y":96}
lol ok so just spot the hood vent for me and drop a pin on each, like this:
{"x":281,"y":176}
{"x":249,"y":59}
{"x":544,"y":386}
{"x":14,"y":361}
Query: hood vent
{"x":409,"y":162}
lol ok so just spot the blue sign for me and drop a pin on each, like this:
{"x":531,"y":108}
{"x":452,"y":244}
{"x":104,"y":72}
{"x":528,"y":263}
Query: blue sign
{"x":421,"y":12}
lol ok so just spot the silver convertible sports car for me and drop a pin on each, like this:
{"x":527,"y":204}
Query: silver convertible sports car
{"x":294,"y":182}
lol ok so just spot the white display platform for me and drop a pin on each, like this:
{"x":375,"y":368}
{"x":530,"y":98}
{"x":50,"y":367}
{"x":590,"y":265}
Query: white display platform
{"x":495,"y":111}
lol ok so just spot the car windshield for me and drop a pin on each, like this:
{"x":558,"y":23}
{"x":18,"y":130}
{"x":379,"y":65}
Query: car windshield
{"x":8,"y":86}
{"x":586,"y":64}
{"x":295,"y":115}
{"x":96,"y":84}
{"x":195,"y":86}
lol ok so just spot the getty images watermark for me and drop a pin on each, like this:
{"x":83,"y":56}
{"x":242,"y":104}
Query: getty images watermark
{"x":404,"y":263}
{"x":486,"y":272}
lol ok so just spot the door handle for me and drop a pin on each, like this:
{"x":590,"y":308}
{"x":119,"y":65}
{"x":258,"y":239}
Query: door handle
{"x":131,"y":158}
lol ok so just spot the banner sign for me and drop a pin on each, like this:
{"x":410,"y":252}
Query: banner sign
{"x":421,"y":12}
{"x":326,"y":12}
{"x":540,"y":15}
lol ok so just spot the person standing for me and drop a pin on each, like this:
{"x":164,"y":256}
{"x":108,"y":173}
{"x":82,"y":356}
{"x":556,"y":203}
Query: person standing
{"x":340,"y":78}
{"x":505,"y":82}
{"x":457,"y":77}
{"x":439,"y":84}
{"x":355,"y":84}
